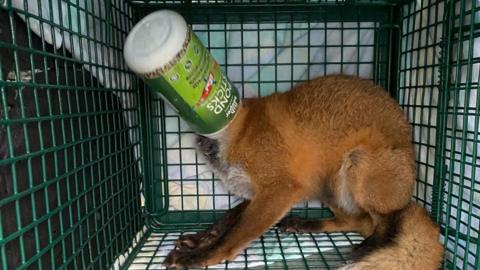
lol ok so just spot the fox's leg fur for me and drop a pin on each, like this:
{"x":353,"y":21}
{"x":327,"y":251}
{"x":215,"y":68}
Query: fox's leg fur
{"x":380,"y":183}
{"x":263,"y":211}
{"x":214,"y":232}
{"x":380,"y":180}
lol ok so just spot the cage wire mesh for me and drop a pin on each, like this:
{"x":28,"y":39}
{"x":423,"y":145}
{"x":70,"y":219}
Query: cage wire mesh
{"x":82,"y":139}
{"x":419,"y":84}
{"x":460,"y":131}
{"x":439,"y":92}
{"x":69,"y":133}
{"x":271,"y":251}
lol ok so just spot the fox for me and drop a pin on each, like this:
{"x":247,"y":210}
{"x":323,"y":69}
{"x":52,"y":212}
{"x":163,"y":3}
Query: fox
{"x":338,"y":139}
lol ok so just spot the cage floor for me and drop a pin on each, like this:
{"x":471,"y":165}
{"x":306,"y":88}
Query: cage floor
{"x":274,"y":250}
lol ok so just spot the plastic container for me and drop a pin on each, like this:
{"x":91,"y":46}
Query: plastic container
{"x":164,"y":51}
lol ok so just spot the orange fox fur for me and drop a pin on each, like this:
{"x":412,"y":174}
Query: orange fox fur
{"x":415,"y":246}
{"x":338,"y":139}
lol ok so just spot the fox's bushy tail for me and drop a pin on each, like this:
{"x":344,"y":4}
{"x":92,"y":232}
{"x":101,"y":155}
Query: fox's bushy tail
{"x":414,"y":244}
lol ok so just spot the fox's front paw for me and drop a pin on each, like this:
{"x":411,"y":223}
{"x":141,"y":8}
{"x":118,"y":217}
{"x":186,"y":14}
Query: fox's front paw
{"x":189,"y":241}
{"x":179,"y":259}
{"x":292,"y":225}
{"x":198,"y":240}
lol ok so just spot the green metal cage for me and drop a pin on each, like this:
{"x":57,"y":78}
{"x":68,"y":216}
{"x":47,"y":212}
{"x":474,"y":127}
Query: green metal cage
{"x":96,"y":171}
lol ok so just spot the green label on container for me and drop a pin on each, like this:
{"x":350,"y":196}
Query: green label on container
{"x":198,"y":89}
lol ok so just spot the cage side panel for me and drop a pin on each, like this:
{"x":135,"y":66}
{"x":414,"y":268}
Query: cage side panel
{"x":442,"y":38}
{"x":419,"y":84}
{"x":69,"y":133}
{"x":460,"y":213}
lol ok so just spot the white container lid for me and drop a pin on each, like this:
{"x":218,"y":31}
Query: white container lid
{"x":155,"y":41}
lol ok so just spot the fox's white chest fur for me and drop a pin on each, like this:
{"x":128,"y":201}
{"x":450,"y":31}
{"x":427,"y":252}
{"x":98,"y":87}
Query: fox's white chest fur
{"x":235,"y":178}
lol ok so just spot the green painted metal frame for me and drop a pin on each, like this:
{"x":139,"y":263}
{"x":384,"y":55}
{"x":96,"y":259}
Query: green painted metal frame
{"x":450,"y":194}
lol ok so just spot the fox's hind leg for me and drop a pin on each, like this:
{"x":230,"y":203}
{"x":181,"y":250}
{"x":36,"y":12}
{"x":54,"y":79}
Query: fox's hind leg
{"x":376,"y":183}
{"x":381,"y":180}
{"x":381,"y":183}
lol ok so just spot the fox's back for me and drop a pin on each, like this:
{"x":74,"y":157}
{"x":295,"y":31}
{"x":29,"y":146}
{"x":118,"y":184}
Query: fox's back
{"x":321,"y":120}
{"x":337,"y":107}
